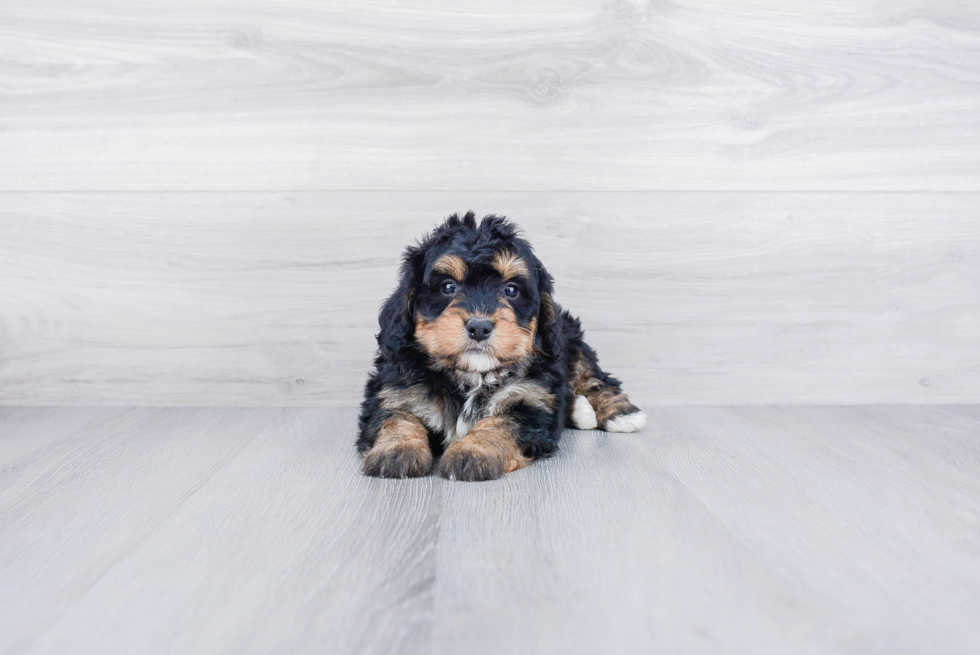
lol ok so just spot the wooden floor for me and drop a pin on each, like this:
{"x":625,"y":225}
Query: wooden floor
{"x":718,"y":529}
{"x":752,"y":206}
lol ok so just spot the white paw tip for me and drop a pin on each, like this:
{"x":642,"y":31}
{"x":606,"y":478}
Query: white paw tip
{"x":583,"y":416}
{"x":626,"y":422}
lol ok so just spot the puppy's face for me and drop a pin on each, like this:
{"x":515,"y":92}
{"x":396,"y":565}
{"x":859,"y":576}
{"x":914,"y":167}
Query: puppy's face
{"x":477,"y":312}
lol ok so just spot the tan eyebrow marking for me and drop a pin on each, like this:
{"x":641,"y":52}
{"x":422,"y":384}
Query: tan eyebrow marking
{"x":451,"y":265}
{"x":510,"y":265}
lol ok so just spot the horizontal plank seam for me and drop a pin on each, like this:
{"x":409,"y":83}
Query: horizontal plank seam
{"x":354,"y":407}
{"x":253,"y":191}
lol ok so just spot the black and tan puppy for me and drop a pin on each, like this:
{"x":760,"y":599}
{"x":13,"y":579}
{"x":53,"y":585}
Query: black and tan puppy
{"x":476,"y":361}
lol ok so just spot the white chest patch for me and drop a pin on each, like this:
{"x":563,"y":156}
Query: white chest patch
{"x":486,"y":393}
{"x":468,"y":416}
{"x":479,"y":362}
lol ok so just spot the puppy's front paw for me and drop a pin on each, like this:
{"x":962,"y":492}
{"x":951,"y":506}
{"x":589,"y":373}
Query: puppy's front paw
{"x":398,"y":460}
{"x":465,"y":460}
{"x":486,"y":453}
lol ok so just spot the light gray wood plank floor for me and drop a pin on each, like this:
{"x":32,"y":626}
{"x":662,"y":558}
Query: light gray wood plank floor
{"x":718,"y":529}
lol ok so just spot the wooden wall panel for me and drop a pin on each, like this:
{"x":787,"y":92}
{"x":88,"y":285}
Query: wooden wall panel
{"x":419,"y":95}
{"x":202,"y":202}
{"x":271,"y":298}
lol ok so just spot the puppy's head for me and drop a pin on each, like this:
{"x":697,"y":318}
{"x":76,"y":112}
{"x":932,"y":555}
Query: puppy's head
{"x":474,"y":298}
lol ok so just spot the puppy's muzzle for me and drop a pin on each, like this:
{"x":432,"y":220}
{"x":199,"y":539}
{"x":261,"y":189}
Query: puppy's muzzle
{"x":479,"y":329}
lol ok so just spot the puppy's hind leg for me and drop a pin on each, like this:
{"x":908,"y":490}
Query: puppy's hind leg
{"x":596,"y":390}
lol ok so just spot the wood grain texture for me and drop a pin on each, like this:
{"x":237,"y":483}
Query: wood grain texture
{"x":691,"y":298}
{"x":27,"y":436}
{"x":562,"y":94}
{"x":735,"y":530}
{"x":216,"y":531}
{"x":80,"y":505}
{"x":747,"y":530}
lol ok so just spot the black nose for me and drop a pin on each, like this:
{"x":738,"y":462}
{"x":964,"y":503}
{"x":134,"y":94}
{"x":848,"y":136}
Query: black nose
{"x":479,"y":328}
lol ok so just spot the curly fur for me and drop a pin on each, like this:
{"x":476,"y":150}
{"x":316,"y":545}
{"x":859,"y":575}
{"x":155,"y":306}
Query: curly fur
{"x":493,"y":404}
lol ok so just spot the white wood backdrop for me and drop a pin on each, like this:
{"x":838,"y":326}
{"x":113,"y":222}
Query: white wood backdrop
{"x":746,"y":202}
{"x":470,"y":94}
{"x":272,"y":298}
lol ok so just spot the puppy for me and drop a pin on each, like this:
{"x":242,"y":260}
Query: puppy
{"x":478,"y":363}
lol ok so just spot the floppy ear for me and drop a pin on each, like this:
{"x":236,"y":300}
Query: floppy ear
{"x":549,"y":329}
{"x":397,"y":317}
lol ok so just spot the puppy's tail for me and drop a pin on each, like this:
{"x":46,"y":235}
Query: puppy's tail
{"x":599,"y":400}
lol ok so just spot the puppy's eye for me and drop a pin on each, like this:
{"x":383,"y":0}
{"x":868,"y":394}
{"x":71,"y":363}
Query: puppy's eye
{"x":448,"y":287}
{"x":511,"y":291}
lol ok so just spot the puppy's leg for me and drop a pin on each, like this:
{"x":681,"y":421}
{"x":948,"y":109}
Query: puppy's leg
{"x":613,"y":411}
{"x":524,"y":422}
{"x":487,"y":451}
{"x":400,"y":449}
